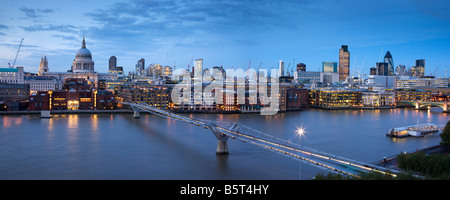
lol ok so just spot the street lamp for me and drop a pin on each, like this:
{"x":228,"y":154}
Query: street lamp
{"x":300,"y":132}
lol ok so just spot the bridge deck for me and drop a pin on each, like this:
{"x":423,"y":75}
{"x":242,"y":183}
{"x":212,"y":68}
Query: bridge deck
{"x":238,"y":131}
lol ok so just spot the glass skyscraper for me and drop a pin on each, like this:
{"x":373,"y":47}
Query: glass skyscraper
{"x":344,"y":63}
{"x":390,"y":63}
{"x":329,"y":67}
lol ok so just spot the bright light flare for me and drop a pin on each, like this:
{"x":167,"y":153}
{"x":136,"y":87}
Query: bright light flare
{"x":300,"y":131}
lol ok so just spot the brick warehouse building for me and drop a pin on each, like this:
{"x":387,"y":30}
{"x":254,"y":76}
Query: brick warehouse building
{"x":76,"y":95}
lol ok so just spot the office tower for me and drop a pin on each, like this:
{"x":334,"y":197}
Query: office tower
{"x":158,"y":70}
{"x":167,"y":71}
{"x":373,"y":71}
{"x":281,"y":68}
{"x":112,"y":63}
{"x":344,"y":63}
{"x":419,"y":69}
{"x":390,"y":63}
{"x":140,"y":67}
{"x":382,"y":69}
{"x":329,"y":67}
{"x":198,"y":68}
{"x":301,"y":67}
{"x":400,"y":70}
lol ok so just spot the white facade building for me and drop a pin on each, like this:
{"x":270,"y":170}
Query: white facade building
{"x":409,"y":82}
{"x":40,"y":83}
{"x":378,"y":99}
{"x":12,"y":75}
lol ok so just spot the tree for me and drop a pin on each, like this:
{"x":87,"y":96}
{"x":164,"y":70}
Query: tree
{"x":445,"y":135}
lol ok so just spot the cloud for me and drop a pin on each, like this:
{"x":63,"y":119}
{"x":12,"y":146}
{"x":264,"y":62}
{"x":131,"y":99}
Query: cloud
{"x":35,"y":13}
{"x":66,"y":37}
{"x":175,"y":19}
{"x":51,"y":27}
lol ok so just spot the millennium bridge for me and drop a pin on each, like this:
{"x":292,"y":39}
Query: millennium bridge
{"x":225,"y":130}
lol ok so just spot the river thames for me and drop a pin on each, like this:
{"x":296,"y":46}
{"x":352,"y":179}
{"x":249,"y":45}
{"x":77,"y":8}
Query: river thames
{"x":120,"y":147}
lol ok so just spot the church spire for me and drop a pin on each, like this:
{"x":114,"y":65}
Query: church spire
{"x":83,"y":44}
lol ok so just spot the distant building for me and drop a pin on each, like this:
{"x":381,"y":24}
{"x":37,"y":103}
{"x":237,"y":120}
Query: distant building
{"x":411,"y":82}
{"x":308,"y":77}
{"x":41,"y":83}
{"x":335,"y":99}
{"x":218,"y":72}
{"x":12,"y":75}
{"x":413,"y":95}
{"x":280,"y":68}
{"x":387,"y":82}
{"x":373,"y":71}
{"x":83,"y":67}
{"x":43,"y":65}
{"x":378,"y":99}
{"x":140,"y":66}
{"x":301,"y":67}
{"x":297,"y":98}
{"x":419,"y":69}
{"x":14,"y":91}
{"x":390,"y":63}
{"x":198,"y":68}
{"x":167,"y":71}
{"x":344,"y":63}
{"x":382,"y":69}
{"x":112,"y":64}
{"x":329,"y":67}
{"x":401,"y":70}
{"x":83,"y":60}
{"x":317,"y":77}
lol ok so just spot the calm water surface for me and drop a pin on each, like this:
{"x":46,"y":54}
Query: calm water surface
{"x":118,"y":146}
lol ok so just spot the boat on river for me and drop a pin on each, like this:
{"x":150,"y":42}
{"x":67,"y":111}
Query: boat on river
{"x":418,"y":130}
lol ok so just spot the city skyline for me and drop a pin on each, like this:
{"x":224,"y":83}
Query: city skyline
{"x":175,"y":32}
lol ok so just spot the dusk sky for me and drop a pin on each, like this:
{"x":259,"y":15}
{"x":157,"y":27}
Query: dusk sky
{"x":228,"y":33}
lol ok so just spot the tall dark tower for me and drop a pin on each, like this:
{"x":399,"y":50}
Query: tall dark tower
{"x":390,"y":63}
{"x":112,"y":63}
{"x":419,"y":69}
{"x":301,"y":67}
{"x":344,"y":63}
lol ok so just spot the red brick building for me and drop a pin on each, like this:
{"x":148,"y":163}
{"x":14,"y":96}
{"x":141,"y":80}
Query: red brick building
{"x":297,"y":98}
{"x":76,"y":95}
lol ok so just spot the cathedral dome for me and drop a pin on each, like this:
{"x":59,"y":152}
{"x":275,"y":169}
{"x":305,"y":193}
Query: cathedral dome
{"x":83,"y":60}
{"x":83,"y":52}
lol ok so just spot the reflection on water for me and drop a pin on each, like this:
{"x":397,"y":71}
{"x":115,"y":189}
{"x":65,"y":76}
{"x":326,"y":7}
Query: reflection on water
{"x":118,"y":146}
{"x":9,"y":121}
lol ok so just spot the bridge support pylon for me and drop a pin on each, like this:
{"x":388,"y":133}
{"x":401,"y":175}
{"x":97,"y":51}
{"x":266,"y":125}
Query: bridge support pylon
{"x":222,"y":144}
{"x":135,"y":112}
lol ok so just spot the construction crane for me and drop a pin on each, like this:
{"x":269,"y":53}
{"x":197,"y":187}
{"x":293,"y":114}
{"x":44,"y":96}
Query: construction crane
{"x":14,"y":63}
{"x":190,"y":63}
{"x":434,"y":74}
{"x":248,"y":69}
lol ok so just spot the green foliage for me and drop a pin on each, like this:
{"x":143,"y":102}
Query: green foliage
{"x":445,"y":135}
{"x":435,"y":166}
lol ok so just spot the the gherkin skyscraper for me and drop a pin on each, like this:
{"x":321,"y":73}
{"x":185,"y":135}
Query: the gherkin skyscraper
{"x":390,"y":63}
